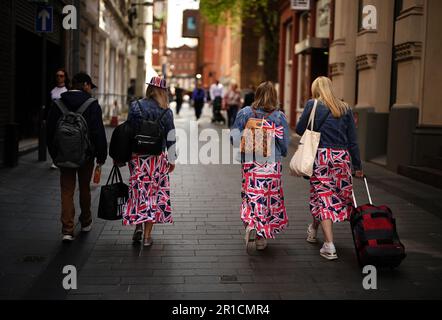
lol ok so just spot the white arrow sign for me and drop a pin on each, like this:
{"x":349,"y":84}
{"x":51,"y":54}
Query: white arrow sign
{"x":44,"y":15}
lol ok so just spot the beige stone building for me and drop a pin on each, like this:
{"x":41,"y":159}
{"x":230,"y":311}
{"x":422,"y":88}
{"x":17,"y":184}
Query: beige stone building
{"x":391,"y":74}
{"x":384,"y":59}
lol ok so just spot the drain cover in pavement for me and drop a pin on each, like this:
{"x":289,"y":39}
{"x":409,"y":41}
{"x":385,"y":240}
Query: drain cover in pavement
{"x":229,"y":278}
{"x":34,"y":259}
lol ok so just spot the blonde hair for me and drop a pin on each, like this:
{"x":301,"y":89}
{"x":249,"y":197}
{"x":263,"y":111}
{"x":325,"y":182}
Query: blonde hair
{"x":322,"y":90}
{"x":266,"y":97}
{"x":159,"y":95}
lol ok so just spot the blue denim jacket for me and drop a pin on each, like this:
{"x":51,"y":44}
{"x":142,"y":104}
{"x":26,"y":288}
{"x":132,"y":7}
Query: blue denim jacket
{"x":335,"y":133}
{"x":279,"y":146}
{"x":150,"y":110}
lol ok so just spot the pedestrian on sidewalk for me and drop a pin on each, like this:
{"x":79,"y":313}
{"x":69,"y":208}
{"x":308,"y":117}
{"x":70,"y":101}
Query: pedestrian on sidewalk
{"x":198,"y":98}
{"x":232,"y":102}
{"x":263,"y":212}
{"x":74,"y":100}
{"x":149,"y":186}
{"x":216,"y":96}
{"x":62,"y":83}
{"x":331,"y":185}
{"x":179,"y":92}
{"x":249,"y":96}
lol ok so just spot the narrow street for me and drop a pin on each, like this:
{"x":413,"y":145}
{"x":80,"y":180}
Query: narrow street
{"x":202,"y":255}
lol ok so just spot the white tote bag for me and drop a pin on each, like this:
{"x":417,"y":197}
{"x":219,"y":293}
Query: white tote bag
{"x":304,"y":158}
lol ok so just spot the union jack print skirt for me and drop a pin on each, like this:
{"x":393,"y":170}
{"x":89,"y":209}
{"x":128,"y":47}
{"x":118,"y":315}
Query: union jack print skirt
{"x":149,"y":191}
{"x":262,"y":205}
{"x":331,"y":186}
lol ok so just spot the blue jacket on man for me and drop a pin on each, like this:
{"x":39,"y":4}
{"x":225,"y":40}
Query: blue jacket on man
{"x":336,"y":133}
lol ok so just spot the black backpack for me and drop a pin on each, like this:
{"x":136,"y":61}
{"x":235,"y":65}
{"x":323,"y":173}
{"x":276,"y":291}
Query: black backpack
{"x":149,"y":136}
{"x":72,"y":145}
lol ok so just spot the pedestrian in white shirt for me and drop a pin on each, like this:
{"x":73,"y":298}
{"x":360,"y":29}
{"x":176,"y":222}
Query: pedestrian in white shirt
{"x":216,"y":95}
{"x":62,"y":85}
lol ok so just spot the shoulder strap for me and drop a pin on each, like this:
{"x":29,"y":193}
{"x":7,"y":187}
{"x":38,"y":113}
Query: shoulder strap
{"x":312,"y":116}
{"x":61,"y":106}
{"x":86,"y":105}
{"x":162,"y":115}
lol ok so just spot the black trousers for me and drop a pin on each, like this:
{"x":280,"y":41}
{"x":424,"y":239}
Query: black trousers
{"x":198,"y":108}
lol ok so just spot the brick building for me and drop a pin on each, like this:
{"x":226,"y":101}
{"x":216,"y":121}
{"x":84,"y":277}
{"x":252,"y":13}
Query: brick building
{"x":182,"y":65}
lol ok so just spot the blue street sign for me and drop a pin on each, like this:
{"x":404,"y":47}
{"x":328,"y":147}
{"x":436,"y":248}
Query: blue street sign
{"x":44,"y":19}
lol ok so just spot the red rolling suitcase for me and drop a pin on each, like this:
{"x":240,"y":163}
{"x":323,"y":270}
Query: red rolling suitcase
{"x":374,"y":234}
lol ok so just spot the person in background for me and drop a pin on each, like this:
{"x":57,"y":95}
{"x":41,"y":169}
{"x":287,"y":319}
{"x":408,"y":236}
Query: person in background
{"x":198,"y":98}
{"x":331,"y":185}
{"x":73,"y":99}
{"x":232,"y":102}
{"x":249,"y":96}
{"x":149,"y":186}
{"x":216,"y":96}
{"x":62,"y":84}
{"x":131,"y":92}
{"x":179,"y":92}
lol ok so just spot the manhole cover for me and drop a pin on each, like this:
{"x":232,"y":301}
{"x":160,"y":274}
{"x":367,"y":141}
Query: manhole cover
{"x":229,"y":278}
{"x":34,"y":259}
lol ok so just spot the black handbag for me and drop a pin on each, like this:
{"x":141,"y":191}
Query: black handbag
{"x":113,"y":197}
{"x":120,"y":148}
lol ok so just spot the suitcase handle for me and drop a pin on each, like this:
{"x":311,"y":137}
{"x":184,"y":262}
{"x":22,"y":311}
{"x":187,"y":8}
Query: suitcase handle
{"x":368,"y":193}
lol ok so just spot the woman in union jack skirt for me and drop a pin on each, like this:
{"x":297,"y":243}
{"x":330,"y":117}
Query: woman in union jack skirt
{"x":331,"y":185}
{"x":263,"y":211}
{"x":149,"y":187}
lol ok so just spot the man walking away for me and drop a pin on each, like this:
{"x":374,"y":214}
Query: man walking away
{"x":198,"y":96}
{"x":216,"y":96}
{"x":178,"y":99}
{"x":76,"y":137}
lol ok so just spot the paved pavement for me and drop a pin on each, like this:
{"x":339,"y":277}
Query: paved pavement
{"x":202,"y":255}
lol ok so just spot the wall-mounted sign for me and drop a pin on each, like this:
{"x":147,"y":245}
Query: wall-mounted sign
{"x":191,"y":24}
{"x":323,"y":19}
{"x":300,"y":5}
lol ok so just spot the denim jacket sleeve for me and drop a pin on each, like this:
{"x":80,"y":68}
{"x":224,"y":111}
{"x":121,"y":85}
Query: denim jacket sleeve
{"x":353,"y":146}
{"x":283,"y":143}
{"x":238,"y":127}
{"x":303,"y":121}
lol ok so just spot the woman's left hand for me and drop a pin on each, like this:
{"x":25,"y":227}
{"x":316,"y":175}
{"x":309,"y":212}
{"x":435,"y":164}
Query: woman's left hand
{"x":171,"y":167}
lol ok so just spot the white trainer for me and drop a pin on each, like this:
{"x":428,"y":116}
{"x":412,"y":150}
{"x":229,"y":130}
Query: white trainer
{"x":261,"y":244}
{"x":87,"y":229}
{"x":311,"y":234}
{"x":68,"y":238}
{"x":328,"y":251}
{"x":250,"y":239}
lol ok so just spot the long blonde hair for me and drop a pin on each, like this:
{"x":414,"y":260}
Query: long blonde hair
{"x":159,"y":95}
{"x":322,"y":90}
{"x":266,"y":97}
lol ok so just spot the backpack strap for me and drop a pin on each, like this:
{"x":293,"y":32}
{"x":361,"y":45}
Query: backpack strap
{"x":162,"y":115}
{"x":60,"y":104}
{"x":85,"y":105}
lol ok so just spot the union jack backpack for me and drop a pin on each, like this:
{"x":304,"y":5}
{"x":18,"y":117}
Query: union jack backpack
{"x":257,"y":136}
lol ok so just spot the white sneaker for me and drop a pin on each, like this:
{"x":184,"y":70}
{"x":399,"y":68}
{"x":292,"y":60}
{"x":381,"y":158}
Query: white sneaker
{"x":87,"y":229}
{"x":250,"y":239}
{"x":68,"y":238}
{"x":261,"y":244}
{"x":311,"y":234}
{"x":53,"y":166}
{"x":328,"y":251}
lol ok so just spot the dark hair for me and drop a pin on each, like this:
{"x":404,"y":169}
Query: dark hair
{"x":67,"y":81}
